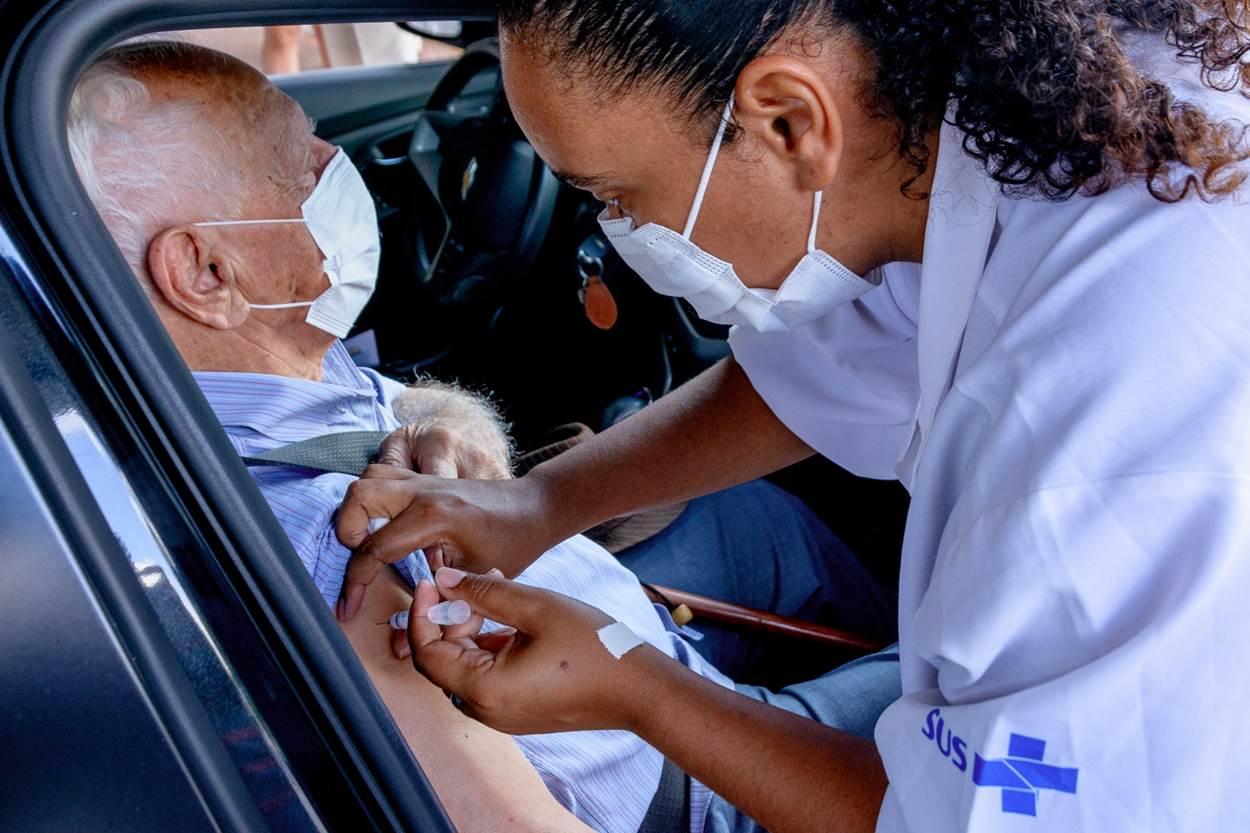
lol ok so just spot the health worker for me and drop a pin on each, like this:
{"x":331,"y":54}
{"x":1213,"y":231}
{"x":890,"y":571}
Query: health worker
{"x":999,"y":251}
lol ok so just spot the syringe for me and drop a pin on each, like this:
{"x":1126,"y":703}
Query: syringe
{"x":444,"y":614}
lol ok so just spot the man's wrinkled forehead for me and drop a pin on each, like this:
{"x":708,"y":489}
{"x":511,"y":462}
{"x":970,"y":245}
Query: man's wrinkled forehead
{"x":238,"y":96}
{"x":267,"y":128}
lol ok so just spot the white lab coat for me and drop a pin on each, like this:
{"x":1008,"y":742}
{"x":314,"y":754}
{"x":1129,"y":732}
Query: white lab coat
{"x":1065,"y":390}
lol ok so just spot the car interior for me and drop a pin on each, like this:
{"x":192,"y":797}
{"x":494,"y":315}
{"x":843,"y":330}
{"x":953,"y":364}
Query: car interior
{"x":486,"y":263}
{"x":486,"y":259}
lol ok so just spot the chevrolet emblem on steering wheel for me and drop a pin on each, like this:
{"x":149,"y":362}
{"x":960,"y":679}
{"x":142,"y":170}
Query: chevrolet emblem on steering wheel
{"x":466,"y":181}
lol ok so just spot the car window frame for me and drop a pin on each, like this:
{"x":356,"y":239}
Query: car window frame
{"x":132,"y":359}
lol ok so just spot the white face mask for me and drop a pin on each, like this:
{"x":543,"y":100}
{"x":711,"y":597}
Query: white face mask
{"x":344,"y":223}
{"x":672,"y":265}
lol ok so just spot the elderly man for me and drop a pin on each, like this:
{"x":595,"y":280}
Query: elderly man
{"x":257,"y":244}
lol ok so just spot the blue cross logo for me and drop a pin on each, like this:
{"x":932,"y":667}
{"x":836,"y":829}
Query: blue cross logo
{"x":1022,"y":774}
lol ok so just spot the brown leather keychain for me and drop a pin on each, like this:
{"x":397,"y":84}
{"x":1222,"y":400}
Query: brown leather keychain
{"x":595,"y":296}
{"x":600,"y":305}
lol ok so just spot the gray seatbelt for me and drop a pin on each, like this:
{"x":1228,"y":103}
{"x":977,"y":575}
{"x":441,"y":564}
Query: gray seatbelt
{"x":670,"y":809}
{"x":349,"y":452}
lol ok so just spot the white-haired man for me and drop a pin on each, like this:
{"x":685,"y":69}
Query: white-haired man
{"x":257,"y":244}
{"x":165,"y":135}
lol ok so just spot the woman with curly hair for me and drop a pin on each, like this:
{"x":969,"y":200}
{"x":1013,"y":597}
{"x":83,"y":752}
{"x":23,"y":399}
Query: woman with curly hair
{"x":997,"y":249}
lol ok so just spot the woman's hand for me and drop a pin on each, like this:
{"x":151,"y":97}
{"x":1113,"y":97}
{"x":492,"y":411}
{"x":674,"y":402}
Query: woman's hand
{"x":548,"y":673}
{"x":472,"y":524}
{"x":712,"y":433}
{"x":552,"y":674}
{"x":475,"y":450}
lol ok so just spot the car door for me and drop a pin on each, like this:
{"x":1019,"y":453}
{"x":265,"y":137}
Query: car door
{"x":100,"y":728}
{"x":166,"y":663}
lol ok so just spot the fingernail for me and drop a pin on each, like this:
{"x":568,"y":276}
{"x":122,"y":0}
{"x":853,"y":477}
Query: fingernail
{"x":449,"y":613}
{"x":352,"y":601}
{"x":495,"y":571}
{"x":449,"y":577}
{"x":399,"y":646}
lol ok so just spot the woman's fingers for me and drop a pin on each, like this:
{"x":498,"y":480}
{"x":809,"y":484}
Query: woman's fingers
{"x":450,"y":663}
{"x":413,"y":527}
{"x":473,"y":627}
{"x":477,"y":523}
{"x":423,"y":596}
{"x":458,"y":664}
{"x":469,"y":630}
{"x":380,"y":493}
{"x":495,"y":641}
{"x":496,"y":598}
{"x":400,"y":648}
{"x":435,"y":557}
{"x":551,"y":673}
{"x":426,"y":595}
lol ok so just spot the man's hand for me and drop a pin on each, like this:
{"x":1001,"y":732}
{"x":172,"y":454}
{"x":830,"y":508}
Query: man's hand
{"x":448,"y":432}
{"x":550,"y":673}
{"x":444,"y":450}
{"x":476,"y":524}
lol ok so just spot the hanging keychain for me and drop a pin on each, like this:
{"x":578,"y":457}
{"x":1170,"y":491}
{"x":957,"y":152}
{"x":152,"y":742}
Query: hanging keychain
{"x":594,"y":295}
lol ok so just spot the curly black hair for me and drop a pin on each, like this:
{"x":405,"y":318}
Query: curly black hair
{"x":1044,"y":90}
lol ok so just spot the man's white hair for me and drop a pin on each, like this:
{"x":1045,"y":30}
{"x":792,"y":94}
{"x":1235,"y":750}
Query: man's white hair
{"x":150,"y":164}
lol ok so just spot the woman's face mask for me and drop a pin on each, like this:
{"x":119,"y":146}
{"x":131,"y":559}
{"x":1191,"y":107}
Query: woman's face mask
{"x":342,"y":219}
{"x":673,"y":265}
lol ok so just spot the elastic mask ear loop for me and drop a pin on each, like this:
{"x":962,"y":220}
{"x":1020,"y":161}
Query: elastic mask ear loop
{"x":247,"y":222}
{"x":811,"y":235}
{"x":707,"y":169}
{"x":294,"y":305}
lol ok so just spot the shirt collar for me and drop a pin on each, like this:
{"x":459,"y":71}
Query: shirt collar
{"x":963,"y":214}
{"x":287,"y":409}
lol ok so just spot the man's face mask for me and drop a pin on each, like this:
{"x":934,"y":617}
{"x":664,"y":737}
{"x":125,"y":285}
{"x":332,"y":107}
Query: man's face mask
{"x":672,"y":265}
{"x":342,"y":220}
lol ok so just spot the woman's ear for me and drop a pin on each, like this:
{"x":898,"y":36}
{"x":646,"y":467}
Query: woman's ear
{"x":196,"y":278}
{"x":790,"y":108}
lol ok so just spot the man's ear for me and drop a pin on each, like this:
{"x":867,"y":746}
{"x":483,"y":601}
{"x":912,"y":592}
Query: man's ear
{"x":195,"y":278}
{"x":789,"y":106}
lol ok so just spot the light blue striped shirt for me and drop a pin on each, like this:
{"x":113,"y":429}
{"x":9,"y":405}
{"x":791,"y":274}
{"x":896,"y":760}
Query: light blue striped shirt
{"x":607,"y":779}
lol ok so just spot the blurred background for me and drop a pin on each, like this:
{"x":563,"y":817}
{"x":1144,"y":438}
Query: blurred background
{"x":282,"y":50}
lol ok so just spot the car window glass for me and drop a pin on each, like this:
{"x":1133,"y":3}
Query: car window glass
{"x":282,"y":50}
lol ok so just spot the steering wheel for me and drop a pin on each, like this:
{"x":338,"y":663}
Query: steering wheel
{"x":482,"y":197}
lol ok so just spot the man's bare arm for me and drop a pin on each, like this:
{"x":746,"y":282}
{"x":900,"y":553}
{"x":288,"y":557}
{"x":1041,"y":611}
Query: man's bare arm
{"x":480,"y":775}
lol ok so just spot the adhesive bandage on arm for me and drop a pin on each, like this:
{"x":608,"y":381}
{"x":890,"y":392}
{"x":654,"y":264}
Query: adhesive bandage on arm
{"x":618,"y":639}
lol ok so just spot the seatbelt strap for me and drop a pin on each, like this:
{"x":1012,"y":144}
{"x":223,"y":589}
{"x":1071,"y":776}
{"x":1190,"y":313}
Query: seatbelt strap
{"x":348,"y":452}
{"x":670,"y":808}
